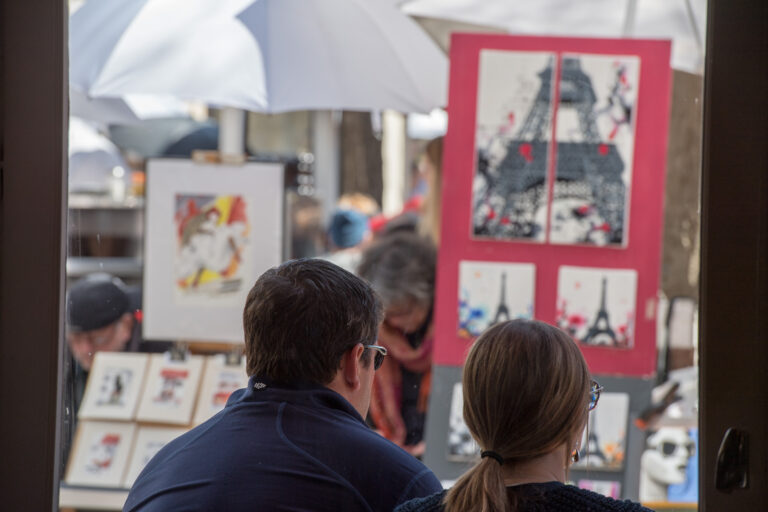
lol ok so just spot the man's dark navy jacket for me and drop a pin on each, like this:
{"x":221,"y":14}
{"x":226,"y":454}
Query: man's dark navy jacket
{"x":280,"y":448}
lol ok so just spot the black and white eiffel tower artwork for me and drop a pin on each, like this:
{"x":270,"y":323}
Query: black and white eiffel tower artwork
{"x":595,"y":146}
{"x":597,"y":306}
{"x":594,"y":135}
{"x":512,"y":140}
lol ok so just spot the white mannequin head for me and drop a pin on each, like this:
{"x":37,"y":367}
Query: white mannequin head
{"x":666,"y":458}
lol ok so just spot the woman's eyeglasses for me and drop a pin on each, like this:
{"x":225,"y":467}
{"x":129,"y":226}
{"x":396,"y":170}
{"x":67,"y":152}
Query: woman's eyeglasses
{"x":379,"y":357}
{"x":594,"y":394}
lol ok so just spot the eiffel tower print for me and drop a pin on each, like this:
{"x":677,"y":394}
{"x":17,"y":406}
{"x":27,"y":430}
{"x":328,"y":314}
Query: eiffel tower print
{"x":588,"y":168}
{"x":601,"y":327}
{"x":502,"y":312}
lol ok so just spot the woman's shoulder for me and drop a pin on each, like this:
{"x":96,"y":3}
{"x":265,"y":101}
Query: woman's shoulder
{"x":573,"y":498}
{"x":431,"y":503}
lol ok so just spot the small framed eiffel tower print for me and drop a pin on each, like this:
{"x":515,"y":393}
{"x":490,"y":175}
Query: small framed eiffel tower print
{"x":492,"y":292}
{"x":597,"y":306}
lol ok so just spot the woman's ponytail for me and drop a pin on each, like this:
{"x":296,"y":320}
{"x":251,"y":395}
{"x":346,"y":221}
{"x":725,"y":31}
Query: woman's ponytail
{"x":481,"y":488}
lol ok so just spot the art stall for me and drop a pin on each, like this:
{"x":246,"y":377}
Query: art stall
{"x":211,"y":229}
{"x":553,"y":195}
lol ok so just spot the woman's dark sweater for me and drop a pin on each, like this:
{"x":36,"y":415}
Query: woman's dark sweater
{"x":545,"y":497}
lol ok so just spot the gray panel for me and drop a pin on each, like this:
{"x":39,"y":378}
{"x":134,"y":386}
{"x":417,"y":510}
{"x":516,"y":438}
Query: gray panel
{"x":443,"y":379}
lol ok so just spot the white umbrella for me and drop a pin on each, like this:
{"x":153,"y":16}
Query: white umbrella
{"x":683,"y":21}
{"x":263,"y":55}
{"x":130,"y":109}
{"x":95,"y":163}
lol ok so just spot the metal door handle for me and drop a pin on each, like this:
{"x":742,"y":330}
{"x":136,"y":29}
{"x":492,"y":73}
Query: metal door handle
{"x":732,"y":471}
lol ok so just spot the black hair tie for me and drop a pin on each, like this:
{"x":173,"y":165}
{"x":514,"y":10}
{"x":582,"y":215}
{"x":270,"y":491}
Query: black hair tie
{"x":493,"y":455}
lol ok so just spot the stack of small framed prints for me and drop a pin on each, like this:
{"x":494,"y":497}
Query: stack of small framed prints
{"x":134,"y":404}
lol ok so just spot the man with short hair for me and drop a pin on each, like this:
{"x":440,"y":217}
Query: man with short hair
{"x":103,"y":315}
{"x":295,"y":438}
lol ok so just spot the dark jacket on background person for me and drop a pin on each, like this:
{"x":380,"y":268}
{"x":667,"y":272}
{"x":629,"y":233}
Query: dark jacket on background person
{"x":281,"y":447}
{"x":544,"y":497}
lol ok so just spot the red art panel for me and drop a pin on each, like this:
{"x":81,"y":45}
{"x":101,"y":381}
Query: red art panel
{"x":555,"y":157}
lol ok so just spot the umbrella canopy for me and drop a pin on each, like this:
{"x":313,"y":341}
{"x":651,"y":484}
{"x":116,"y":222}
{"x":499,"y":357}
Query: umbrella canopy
{"x":166,"y":137}
{"x":130,"y":109}
{"x":262,"y":55}
{"x":682,"y":21}
{"x":94,"y":161}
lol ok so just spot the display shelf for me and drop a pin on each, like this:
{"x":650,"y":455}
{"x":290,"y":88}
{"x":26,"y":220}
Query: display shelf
{"x":91,"y":498}
{"x":102,"y":202}
{"x":121,"y":267}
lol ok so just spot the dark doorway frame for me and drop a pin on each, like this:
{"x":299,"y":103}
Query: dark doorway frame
{"x":734,"y":248}
{"x":33,"y":153}
{"x":734,"y":291}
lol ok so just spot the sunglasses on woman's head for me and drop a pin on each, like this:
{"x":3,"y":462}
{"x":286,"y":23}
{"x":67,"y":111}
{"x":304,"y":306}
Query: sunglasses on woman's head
{"x":594,"y":394}
{"x":379,"y":356}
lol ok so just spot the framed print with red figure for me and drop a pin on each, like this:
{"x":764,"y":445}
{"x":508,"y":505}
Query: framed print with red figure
{"x":555,"y":161}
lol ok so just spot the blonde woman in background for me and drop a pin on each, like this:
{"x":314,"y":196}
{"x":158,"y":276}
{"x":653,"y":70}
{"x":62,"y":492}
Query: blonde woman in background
{"x":527,"y":395}
{"x":431,"y":165}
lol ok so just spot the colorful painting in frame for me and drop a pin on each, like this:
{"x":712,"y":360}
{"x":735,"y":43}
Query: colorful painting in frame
{"x":100,"y":453}
{"x":597,"y":306}
{"x":492,"y":292}
{"x":603,"y":446}
{"x":171,"y":389}
{"x":115,"y":383}
{"x":211,"y":231}
{"x":219,"y":381}
{"x":212,"y":243}
{"x":149,"y":441}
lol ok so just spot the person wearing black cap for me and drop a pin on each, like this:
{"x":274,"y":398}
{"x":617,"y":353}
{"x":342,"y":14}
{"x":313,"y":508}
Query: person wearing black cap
{"x":99,"y":318}
{"x":103,"y":315}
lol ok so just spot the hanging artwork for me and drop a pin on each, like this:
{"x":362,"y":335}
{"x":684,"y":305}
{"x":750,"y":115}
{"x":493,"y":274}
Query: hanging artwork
{"x":171,"y":389}
{"x":669,"y":466}
{"x":211,"y":231}
{"x":512,"y":138}
{"x":555,"y":145}
{"x":597,"y":306}
{"x":212,"y":238}
{"x":219,"y":381}
{"x":608,"y":488}
{"x":603,"y":446}
{"x":461,"y":445}
{"x":492,"y":292}
{"x":114,"y":384}
{"x":149,"y":441}
{"x":100,"y":453}
{"x":595,"y":134}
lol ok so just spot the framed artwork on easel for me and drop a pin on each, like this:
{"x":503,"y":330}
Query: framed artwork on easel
{"x":211,"y":231}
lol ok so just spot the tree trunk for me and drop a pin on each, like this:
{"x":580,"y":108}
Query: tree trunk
{"x":360,"y":156}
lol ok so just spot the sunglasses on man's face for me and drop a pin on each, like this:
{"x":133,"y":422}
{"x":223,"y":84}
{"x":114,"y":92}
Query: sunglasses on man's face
{"x":669,"y":448}
{"x":378,"y":359}
{"x":594,"y":394}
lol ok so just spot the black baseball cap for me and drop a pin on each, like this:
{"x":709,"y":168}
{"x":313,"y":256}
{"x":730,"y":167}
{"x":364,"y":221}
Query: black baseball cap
{"x":95,"y":302}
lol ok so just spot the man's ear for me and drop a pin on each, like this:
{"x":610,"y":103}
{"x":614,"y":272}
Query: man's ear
{"x":127,"y":320}
{"x":351,"y":365}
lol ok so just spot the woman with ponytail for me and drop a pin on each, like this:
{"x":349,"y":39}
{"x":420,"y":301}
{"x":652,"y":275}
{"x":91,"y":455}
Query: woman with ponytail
{"x":527,"y":395}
